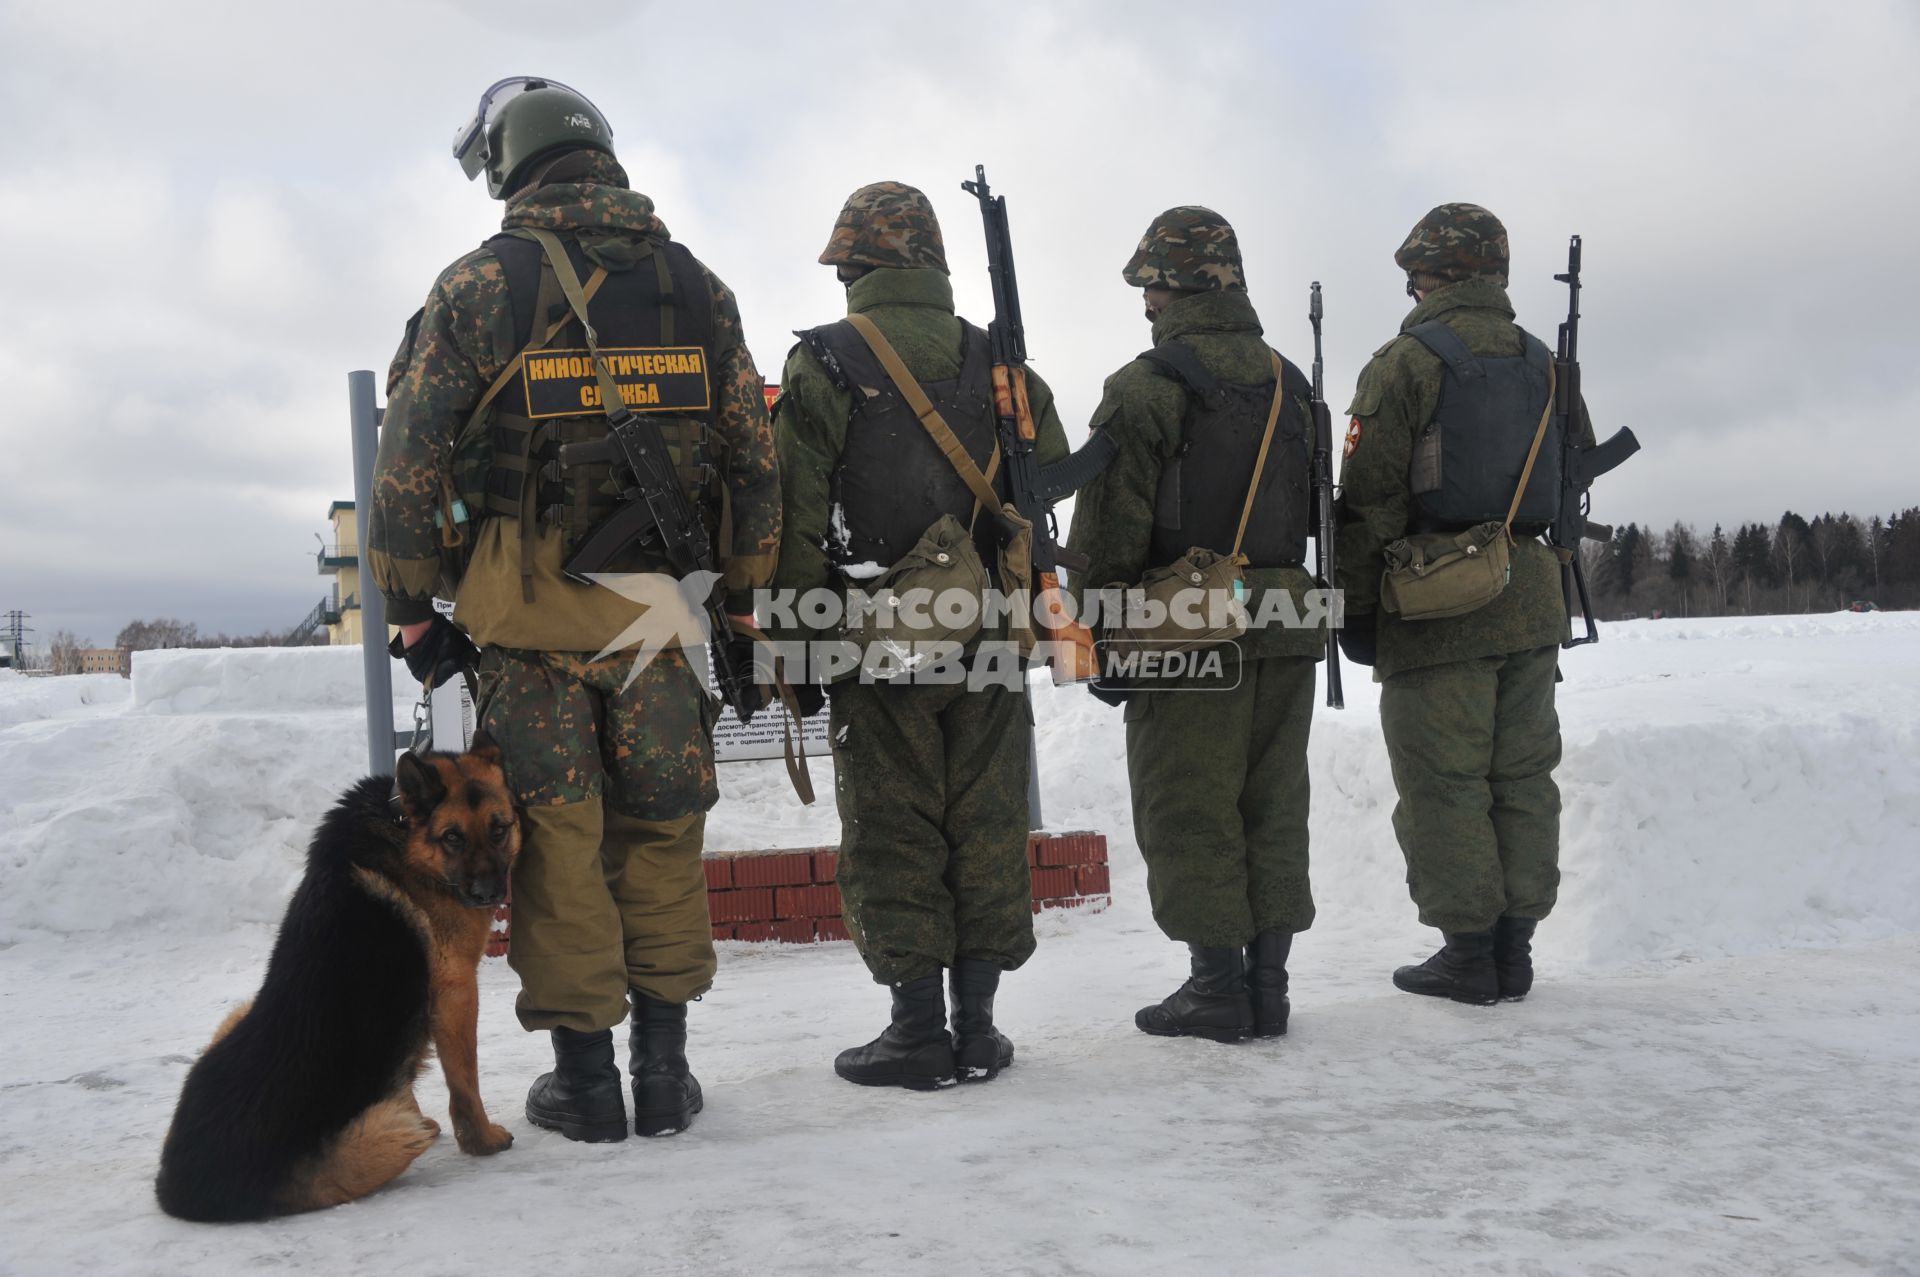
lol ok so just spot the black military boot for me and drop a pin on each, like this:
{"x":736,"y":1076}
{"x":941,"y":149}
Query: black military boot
{"x":1513,"y":957}
{"x":1267,"y":982}
{"x":1461,"y":970}
{"x":979,"y":1050}
{"x":581,"y":1097}
{"x":665,"y":1094}
{"x":914,"y":1051}
{"x":1212,"y":1003}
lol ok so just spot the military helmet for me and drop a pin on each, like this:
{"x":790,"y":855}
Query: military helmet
{"x":887,"y":224}
{"x":1455,"y":241}
{"x":521,"y":118}
{"x":1190,"y":249}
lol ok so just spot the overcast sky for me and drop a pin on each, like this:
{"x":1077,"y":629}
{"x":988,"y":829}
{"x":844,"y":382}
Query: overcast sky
{"x":210,"y":213}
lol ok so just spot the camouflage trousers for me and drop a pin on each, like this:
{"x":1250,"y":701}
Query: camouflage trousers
{"x":609,"y":892}
{"x":1473,"y":746}
{"x":1218,"y":770}
{"x":931,"y":783}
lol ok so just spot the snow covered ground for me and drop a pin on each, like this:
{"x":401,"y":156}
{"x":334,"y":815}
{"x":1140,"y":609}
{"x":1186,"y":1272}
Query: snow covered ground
{"x":1718,"y":1073}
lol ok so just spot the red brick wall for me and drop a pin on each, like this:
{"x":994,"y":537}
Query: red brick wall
{"x":790,"y":896}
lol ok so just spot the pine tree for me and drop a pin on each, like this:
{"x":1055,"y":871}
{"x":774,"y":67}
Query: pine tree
{"x":1719,"y":559}
{"x":1680,"y":563}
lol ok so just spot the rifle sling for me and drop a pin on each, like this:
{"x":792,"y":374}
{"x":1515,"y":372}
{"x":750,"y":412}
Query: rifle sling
{"x":793,"y":737}
{"x":936,"y":425}
{"x":1526,"y":471}
{"x":1260,"y":462}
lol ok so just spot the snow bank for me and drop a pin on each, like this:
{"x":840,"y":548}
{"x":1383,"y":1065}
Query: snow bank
{"x":24,"y":699}
{"x":249,"y":679}
{"x":1729,"y":786}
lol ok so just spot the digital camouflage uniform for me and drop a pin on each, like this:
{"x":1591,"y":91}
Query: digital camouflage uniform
{"x":608,"y":891}
{"x":1466,"y":702}
{"x":1218,"y":769}
{"x":931,"y":780}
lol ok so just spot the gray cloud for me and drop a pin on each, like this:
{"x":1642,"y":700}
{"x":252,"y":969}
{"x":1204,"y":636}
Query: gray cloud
{"x":210,"y":212}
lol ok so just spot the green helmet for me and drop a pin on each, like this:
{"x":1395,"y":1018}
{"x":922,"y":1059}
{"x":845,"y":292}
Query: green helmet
{"x":886,"y":224}
{"x":521,"y":118}
{"x":1455,"y":241}
{"x":1189,"y":249}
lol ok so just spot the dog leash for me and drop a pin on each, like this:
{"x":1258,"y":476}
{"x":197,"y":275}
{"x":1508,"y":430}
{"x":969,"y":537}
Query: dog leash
{"x":422,"y":735}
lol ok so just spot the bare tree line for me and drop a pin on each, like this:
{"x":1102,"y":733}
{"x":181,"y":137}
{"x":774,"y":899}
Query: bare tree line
{"x":1824,"y":564}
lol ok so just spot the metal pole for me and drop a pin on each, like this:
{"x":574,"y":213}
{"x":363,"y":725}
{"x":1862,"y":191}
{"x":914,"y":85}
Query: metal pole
{"x":375,"y":662}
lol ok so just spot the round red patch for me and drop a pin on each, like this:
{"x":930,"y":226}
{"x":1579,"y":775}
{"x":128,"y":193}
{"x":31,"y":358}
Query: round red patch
{"x":1353,"y":438}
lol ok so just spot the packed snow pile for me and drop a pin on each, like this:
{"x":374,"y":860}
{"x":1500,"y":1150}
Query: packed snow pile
{"x":24,"y":698}
{"x":271,"y":680}
{"x":1729,"y":786}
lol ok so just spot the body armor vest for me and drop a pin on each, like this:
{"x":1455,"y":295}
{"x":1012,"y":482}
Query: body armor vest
{"x":1467,"y":460}
{"x":892,"y":482}
{"x":1204,"y":485}
{"x":653,"y":319}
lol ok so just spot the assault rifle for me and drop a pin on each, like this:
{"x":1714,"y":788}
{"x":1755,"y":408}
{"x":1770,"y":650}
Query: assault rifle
{"x":1034,"y":490}
{"x":654,"y":511}
{"x":1324,"y":565}
{"x":1581,"y":463}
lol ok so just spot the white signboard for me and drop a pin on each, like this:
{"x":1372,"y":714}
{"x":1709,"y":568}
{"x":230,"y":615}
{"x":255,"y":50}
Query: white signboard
{"x":735,"y":742}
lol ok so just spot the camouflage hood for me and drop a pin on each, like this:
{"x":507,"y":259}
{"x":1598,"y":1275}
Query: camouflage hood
{"x":1190,"y":248}
{"x":1456,"y":241}
{"x":594,"y":194}
{"x":889,"y":225}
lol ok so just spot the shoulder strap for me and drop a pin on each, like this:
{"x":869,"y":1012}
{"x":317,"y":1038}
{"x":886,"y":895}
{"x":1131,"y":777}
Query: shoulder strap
{"x":1266,"y":441}
{"x":1178,"y":360}
{"x":936,"y":425}
{"x":815,"y":340}
{"x":535,"y":342}
{"x":1446,"y":343}
{"x":1539,"y":434}
{"x":556,"y":254}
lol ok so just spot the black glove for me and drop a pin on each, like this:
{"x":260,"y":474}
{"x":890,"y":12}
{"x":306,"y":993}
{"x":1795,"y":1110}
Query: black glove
{"x":746,"y":696}
{"x":810,"y":697}
{"x":443,"y":652}
{"x":1357,"y":638}
{"x":1115,"y":692}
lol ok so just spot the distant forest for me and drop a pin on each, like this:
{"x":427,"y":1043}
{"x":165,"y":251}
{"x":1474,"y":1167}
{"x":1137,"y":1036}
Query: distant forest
{"x":1825,"y":564}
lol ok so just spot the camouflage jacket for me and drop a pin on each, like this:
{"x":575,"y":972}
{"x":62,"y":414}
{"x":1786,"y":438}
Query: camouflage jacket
{"x":455,"y":347}
{"x":1397,"y":395}
{"x":1146,"y":410}
{"x":914,"y":310}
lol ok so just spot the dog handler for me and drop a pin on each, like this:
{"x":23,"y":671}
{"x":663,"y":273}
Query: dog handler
{"x":517,"y":352}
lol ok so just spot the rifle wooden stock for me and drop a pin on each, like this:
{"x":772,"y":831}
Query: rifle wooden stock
{"x":1070,"y":643}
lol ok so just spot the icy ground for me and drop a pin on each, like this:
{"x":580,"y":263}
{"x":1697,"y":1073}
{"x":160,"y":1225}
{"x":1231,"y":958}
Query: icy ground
{"x":1718,"y":1073}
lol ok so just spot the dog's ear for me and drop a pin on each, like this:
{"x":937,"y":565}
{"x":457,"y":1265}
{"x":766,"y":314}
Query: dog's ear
{"x":420,"y":785}
{"x":485,"y":748}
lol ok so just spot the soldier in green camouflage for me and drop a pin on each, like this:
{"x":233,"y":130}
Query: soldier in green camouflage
{"x":1466,"y":702}
{"x":471,"y":502}
{"x":1217,"y":762}
{"x":930,"y":778}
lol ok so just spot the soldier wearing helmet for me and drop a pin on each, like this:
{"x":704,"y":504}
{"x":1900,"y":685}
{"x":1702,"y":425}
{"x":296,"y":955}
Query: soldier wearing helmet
{"x":511,"y":358}
{"x":1443,"y":420}
{"x":930,"y":763}
{"x":1214,"y":449}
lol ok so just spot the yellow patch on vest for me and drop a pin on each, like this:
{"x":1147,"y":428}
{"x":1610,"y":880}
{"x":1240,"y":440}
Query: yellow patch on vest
{"x":561,"y":383}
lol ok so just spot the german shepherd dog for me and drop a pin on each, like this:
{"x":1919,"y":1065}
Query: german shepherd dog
{"x":305,"y":1097}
